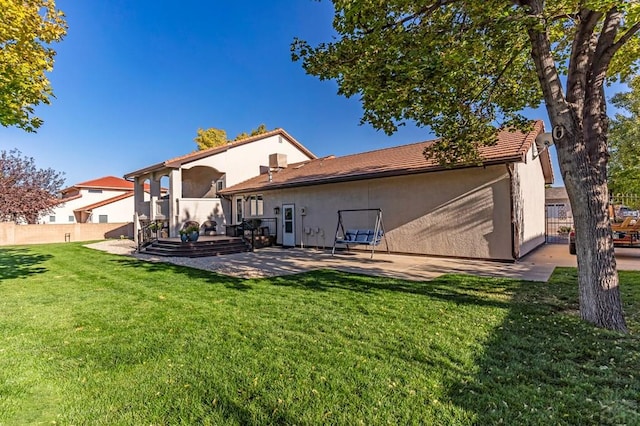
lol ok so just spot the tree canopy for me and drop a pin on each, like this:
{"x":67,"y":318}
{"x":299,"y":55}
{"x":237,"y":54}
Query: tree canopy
{"x":26,"y":192}
{"x":27,"y":28}
{"x":462,"y":67}
{"x":213,"y":137}
{"x":624,"y":142}
{"x":465,"y":68}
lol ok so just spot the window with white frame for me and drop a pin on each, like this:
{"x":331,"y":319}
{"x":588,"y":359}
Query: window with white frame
{"x":71,"y":218}
{"x":52,"y":219}
{"x":256,"y":205}
{"x":103,"y":218}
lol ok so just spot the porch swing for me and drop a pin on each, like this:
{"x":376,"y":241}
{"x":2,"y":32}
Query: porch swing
{"x":370,"y":237}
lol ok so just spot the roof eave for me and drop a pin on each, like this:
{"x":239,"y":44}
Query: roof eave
{"x":146,"y":170}
{"x":519,"y":158}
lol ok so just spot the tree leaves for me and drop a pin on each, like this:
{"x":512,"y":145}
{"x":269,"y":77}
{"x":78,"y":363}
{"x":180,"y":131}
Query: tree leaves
{"x":26,"y":192}
{"x":213,"y":137}
{"x":27,"y":28}
{"x":624,"y":142}
{"x":461,"y":67}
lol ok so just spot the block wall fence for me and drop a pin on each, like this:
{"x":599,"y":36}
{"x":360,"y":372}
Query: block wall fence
{"x":12,"y":234}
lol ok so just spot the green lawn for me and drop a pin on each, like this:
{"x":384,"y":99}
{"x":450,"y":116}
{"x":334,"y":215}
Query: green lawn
{"x":90,"y":338}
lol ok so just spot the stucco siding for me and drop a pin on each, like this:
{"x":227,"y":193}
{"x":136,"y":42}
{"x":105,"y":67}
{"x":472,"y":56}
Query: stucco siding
{"x":201,"y":210}
{"x":66,"y":209}
{"x":243,"y":162}
{"x":463,"y":213}
{"x":532,"y":201}
{"x":116,"y":212}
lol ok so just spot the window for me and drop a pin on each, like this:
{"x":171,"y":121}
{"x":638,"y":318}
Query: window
{"x":95,"y":191}
{"x":52,"y":219}
{"x":256,"y":205}
{"x":71,"y":219}
{"x":219,"y":185}
{"x":239,"y":212}
{"x":103,"y":218}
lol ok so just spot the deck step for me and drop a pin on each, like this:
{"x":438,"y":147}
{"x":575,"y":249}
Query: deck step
{"x":218,"y":247}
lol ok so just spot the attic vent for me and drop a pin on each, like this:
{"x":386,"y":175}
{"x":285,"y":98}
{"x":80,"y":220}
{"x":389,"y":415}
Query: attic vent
{"x":278,"y":161}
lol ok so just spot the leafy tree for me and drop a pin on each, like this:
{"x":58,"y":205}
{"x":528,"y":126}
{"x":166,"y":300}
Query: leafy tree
{"x":27,"y":28}
{"x":210,"y":138}
{"x":26,"y":192}
{"x":213,"y":137}
{"x":624,"y":142}
{"x":464,"y":66}
{"x":255,"y":132}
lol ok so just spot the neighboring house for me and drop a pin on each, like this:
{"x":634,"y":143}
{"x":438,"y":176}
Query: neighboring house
{"x":492,"y":211}
{"x":196,"y":179}
{"x":557,"y":202}
{"x":105,"y":200}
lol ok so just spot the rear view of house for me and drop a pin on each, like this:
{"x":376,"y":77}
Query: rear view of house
{"x":492,"y":211}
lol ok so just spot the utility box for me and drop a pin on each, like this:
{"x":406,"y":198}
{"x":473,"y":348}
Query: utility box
{"x":277,"y":161}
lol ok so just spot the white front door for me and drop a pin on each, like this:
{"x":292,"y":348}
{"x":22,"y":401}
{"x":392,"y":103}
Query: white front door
{"x":288,"y":225}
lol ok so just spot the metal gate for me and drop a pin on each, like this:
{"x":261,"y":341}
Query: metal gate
{"x":559,"y":219}
{"x":558,"y":223}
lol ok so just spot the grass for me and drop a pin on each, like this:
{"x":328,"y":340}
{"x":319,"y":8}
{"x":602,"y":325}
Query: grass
{"x":93,"y":338}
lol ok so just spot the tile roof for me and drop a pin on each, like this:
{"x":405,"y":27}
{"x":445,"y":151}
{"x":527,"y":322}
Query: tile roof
{"x":104,"y":202}
{"x":178,"y":161}
{"x":406,"y":159}
{"x":106,"y":182}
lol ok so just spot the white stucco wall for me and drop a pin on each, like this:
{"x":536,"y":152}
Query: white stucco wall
{"x":463,"y":213}
{"x":532,"y":198}
{"x":65,"y":210}
{"x":243,"y":161}
{"x":119,"y":211}
{"x":200,"y":210}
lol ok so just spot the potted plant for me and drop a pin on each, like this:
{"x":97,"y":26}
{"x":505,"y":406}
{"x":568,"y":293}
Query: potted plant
{"x":184,"y":237}
{"x":155,"y":226}
{"x":562,"y":230}
{"x":193,"y":232}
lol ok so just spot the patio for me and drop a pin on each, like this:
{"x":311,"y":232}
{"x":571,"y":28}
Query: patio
{"x":278,"y":261}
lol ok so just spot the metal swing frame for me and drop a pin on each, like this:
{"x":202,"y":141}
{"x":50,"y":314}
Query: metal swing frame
{"x":362,"y":236}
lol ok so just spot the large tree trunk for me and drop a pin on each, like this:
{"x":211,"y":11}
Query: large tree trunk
{"x":579,"y":124}
{"x":599,"y":293}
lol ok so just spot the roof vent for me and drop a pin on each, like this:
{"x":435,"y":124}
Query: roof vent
{"x":277,"y":161}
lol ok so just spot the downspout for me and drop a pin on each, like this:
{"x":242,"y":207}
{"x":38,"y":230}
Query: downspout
{"x":515,"y":222}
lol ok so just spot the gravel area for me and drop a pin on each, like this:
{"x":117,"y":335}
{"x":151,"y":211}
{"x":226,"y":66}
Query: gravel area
{"x":217,"y":264}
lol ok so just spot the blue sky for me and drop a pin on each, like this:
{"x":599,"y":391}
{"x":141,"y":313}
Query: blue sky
{"x":134,"y":80}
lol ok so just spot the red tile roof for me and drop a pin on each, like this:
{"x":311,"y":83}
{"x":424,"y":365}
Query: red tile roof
{"x":396,"y":161}
{"x":178,"y":161}
{"x":108,"y":183}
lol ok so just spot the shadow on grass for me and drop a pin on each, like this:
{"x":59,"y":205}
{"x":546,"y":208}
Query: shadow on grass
{"x":21,"y":263}
{"x":461,"y":289}
{"x":193,"y":273}
{"x":543,"y":365}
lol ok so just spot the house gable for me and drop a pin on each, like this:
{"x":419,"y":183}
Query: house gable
{"x":247,"y":149}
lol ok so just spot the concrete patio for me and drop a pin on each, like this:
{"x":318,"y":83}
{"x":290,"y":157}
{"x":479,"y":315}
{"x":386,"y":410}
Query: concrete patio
{"x":276,"y":261}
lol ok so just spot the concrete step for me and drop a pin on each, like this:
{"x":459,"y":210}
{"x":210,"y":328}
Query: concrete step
{"x":217,"y":247}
